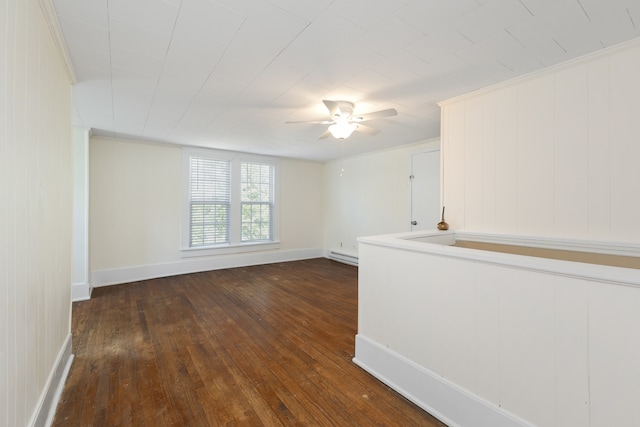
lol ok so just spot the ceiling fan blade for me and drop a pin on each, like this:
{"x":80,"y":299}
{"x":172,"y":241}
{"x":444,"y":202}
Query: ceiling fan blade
{"x":375,"y":115}
{"x":320,"y":122}
{"x":332,"y":106}
{"x":326,"y":134}
{"x":366,"y":129}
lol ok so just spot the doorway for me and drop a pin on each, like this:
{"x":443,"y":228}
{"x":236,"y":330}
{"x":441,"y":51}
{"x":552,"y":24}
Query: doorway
{"x":425,"y":190}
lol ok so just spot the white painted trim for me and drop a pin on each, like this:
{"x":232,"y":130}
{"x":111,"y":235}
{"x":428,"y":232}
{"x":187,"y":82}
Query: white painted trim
{"x":80,"y":292}
{"x":193,"y":265}
{"x":229,"y":249}
{"x":450,"y":403}
{"x":575,"y":245}
{"x":81,"y":289}
{"x":48,"y":402}
{"x":49,"y":13}
{"x":418,"y":241}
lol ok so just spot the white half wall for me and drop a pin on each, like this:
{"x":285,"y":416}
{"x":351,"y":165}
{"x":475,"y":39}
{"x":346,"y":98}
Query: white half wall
{"x":488,"y":339}
{"x":135,"y":209}
{"x":555,"y":153}
{"x":36,"y":192}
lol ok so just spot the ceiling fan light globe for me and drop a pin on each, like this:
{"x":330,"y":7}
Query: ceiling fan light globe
{"x":342,"y":130}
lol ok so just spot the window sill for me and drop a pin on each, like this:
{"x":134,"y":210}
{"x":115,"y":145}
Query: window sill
{"x":229,"y":249}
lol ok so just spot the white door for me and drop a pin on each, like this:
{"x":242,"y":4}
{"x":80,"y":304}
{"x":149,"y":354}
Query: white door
{"x":425,"y":190}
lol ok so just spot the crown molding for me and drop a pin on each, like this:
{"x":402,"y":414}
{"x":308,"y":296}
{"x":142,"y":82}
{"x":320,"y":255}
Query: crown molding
{"x":51,"y":18}
{"x":602,"y":53}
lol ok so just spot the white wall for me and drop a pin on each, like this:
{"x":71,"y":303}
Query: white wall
{"x":555,"y":153}
{"x":135,"y":207}
{"x":134,"y":203}
{"x":81,"y":289}
{"x":35,"y":213}
{"x":371,"y":196}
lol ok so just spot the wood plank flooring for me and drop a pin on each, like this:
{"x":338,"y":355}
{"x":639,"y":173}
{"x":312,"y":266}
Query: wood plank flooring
{"x":265,"y":345}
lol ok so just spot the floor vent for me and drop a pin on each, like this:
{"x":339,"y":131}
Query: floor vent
{"x":343,"y":257}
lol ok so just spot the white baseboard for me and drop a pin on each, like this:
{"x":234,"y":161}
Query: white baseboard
{"x":48,"y":402}
{"x":80,"y":292}
{"x":443,"y":399}
{"x":194,"y":265}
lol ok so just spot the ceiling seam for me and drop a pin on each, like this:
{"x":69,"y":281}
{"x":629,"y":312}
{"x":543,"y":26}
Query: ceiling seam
{"x":249,"y":83}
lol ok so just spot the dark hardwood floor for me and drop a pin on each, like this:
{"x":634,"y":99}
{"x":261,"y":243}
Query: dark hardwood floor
{"x":265,"y":345}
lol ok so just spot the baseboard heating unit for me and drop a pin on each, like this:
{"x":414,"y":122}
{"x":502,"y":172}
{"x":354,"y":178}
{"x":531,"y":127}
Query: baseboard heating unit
{"x":343,"y":257}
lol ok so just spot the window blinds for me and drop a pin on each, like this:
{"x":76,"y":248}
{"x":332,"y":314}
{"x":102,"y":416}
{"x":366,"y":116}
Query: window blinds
{"x":209,"y":198}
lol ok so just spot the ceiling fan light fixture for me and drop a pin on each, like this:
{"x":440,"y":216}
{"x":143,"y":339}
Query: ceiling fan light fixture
{"x":343,"y":123}
{"x":342,"y":130}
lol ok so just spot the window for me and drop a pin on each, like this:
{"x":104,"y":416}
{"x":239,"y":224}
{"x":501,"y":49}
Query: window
{"x":256,"y":201}
{"x":230,"y":203}
{"x":209,"y":195}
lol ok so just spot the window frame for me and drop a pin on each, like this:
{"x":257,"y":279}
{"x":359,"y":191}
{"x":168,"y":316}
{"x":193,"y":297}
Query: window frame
{"x":235,"y":244}
{"x":269,"y":203}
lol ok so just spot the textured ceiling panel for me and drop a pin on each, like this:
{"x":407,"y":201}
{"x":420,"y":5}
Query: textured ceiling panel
{"x":152,"y":15}
{"x":273,"y":25}
{"x":390,"y":36}
{"x":79,"y":34}
{"x":365,"y":13}
{"x":209,"y":19}
{"x":429,"y":16}
{"x":228,"y":73}
{"x":306,"y":9}
{"x":139,"y":40}
{"x":491,"y":18}
{"x":89,"y":12}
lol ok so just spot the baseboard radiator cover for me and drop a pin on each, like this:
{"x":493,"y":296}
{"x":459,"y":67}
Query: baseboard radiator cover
{"x":450,"y":403}
{"x":343,"y":257}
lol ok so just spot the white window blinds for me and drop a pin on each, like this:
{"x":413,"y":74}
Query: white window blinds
{"x":209,"y":199}
{"x":229,"y":203}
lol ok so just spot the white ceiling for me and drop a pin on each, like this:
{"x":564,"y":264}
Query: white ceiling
{"x":228,"y":73}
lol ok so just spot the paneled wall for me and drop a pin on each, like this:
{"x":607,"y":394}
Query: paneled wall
{"x":555,"y":153}
{"x":35,"y":211}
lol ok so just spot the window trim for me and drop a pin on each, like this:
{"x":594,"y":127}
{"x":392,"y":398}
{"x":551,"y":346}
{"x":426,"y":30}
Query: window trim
{"x":235,"y":244}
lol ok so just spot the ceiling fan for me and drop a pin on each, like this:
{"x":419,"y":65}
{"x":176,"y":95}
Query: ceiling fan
{"x":343,"y":122}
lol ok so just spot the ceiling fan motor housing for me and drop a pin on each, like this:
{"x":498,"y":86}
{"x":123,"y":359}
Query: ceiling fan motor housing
{"x":344,"y":110}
